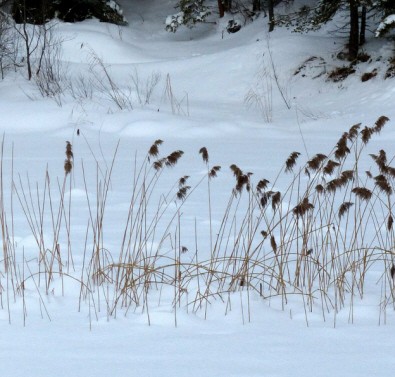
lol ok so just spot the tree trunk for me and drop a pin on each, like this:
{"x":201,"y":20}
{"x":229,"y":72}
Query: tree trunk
{"x":221,"y":9}
{"x":362,"y":38}
{"x":256,"y":5}
{"x":353,"y":43}
{"x":271,"y":15}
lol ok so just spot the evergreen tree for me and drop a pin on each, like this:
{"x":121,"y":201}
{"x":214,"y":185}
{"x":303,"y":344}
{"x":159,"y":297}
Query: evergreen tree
{"x":324,"y":11}
{"x":388,"y":22}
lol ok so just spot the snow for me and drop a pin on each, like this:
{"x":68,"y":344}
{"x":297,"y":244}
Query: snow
{"x":205,"y":74}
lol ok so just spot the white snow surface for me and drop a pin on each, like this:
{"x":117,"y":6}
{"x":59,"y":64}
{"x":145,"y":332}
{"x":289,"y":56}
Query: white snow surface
{"x":210,"y":72}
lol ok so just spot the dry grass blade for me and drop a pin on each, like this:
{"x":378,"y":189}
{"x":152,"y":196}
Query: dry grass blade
{"x":291,"y":161}
{"x":362,"y":192}
{"x":344,"y":208}
{"x":204,"y":153}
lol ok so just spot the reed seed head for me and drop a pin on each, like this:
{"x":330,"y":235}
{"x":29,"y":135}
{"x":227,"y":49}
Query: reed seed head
{"x":204,"y":153}
{"x":353,"y":132}
{"x":273,"y":244}
{"x":213,"y":171}
{"x":302,"y":208}
{"x":330,"y":167}
{"x":380,"y":123}
{"x":241,"y":181}
{"x":236,"y":170}
{"x":173,"y":158}
{"x":69,"y":151}
{"x":262,"y":185}
{"x":265,"y":198}
{"x":341,"y":147}
{"x":344,"y":208}
{"x":382,"y":183}
{"x":390,"y":222}
{"x":68,"y":166}
{"x":182,"y":181}
{"x":159,"y":164}
{"x":366,"y":134}
{"x":362,"y":192}
{"x":315,"y":163}
{"x":276,"y":200}
{"x":291,"y":161}
{"x":182,"y":192}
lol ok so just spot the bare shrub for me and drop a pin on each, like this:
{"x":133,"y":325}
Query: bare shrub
{"x":103,"y":82}
{"x":177,"y":106}
{"x":261,"y":95}
{"x":9,"y":44}
{"x":144,"y":87}
{"x":50,"y":77}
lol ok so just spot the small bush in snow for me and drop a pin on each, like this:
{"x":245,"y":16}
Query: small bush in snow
{"x":192,"y":12}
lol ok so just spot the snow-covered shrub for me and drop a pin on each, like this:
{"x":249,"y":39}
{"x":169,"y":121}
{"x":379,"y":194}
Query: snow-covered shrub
{"x":192,"y":12}
{"x":233,"y":26}
{"x":386,"y":25}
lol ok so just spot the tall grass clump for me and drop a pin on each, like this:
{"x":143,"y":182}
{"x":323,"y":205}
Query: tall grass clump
{"x":323,"y":243}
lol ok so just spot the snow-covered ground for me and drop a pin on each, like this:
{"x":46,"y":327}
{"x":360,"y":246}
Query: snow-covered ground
{"x":199,"y":101}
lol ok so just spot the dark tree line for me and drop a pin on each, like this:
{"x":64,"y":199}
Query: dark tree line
{"x":41,"y":11}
